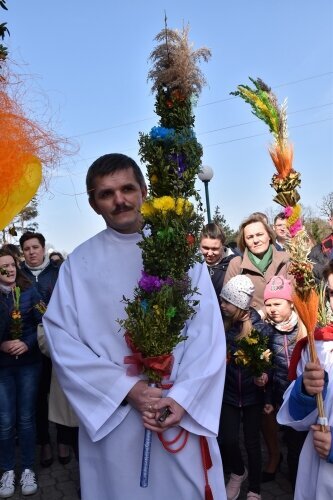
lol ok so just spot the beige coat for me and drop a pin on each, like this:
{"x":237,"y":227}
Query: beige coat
{"x":60,"y":410}
{"x":243,"y":265}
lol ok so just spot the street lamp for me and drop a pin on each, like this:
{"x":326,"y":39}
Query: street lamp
{"x":205,"y":175}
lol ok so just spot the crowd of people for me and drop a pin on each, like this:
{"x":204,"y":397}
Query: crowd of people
{"x":62,"y":360}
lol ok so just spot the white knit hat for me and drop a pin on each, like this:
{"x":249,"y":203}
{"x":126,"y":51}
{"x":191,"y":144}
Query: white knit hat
{"x":238,"y":291}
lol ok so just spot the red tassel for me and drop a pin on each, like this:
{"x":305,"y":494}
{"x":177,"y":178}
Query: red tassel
{"x":208,"y":493}
{"x":206,"y":453}
{"x":207,"y":464}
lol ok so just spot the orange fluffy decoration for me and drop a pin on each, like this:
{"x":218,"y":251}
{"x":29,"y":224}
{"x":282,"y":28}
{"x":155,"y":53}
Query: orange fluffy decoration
{"x":24,"y":145}
{"x":283,"y":159}
{"x":307,"y":309}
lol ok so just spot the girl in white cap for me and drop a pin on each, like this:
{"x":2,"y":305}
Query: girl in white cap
{"x":244,"y":394}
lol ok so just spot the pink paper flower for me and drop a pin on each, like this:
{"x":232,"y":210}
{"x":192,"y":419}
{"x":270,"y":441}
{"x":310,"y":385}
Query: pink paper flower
{"x":295,"y":228}
{"x":288,"y":211}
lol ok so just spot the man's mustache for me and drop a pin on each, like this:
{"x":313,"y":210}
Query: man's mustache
{"x":121,"y":208}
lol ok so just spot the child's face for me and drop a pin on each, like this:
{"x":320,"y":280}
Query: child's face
{"x":228,"y":309}
{"x":278,"y":310}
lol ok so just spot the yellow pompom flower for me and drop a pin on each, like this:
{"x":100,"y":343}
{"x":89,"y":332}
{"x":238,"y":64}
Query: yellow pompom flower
{"x":164,"y":204}
{"x":147,"y":209}
{"x":182,"y":206}
{"x":154,"y":179}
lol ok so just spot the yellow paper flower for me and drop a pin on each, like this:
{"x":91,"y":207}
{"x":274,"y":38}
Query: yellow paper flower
{"x":147,"y":209}
{"x":164,"y":204}
{"x":241,"y":358}
{"x":266,"y":355}
{"x":156,"y":309}
{"x":183,"y":205}
{"x":16,"y":315}
{"x":251,"y":340}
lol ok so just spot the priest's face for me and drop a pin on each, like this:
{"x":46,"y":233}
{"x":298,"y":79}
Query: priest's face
{"x":118,"y":197}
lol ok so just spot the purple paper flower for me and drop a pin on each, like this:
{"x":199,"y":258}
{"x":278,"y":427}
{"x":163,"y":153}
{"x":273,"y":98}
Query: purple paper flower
{"x":179,"y":159}
{"x":150,"y":283}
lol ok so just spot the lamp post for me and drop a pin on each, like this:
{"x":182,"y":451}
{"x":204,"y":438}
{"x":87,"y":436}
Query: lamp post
{"x":205,"y":175}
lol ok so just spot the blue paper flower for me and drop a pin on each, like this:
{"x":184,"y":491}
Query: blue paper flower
{"x":162,"y":133}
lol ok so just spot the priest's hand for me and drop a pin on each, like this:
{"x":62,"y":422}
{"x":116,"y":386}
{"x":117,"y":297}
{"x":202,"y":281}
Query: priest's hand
{"x":322,"y":441}
{"x":175,"y":414}
{"x":142,"y":397}
{"x":313,"y":378}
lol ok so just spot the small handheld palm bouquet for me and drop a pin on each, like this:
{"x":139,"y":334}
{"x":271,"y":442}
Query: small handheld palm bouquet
{"x":253,"y":353}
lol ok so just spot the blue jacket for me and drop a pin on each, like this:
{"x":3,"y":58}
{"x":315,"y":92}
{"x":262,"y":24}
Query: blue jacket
{"x":45,"y":281}
{"x":239,"y":388}
{"x":30,"y":319}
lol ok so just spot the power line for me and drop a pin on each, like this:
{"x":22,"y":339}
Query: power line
{"x":77,"y":174}
{"x":273,"y":86}
{"x":256,"y":121}
{"x":266,"y":133}
{"x":134,"y":122}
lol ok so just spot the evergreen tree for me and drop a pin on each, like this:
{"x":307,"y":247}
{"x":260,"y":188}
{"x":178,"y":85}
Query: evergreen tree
{"x":219,"y":219}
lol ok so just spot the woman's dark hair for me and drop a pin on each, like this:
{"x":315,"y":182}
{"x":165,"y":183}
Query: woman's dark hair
{"x":22,"y":280}
{"x":108,"y":164}
{"x":13,"y":249}
{"x":251,"y":220}
{"x":29,"y":235}
{"x":213,"y":231}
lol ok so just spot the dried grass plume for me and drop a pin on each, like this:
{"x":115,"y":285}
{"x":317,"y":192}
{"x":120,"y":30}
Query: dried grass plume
{"x":175,"y":63}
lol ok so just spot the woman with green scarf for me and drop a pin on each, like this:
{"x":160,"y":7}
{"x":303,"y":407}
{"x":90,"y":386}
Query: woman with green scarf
{"x":260,"y":260}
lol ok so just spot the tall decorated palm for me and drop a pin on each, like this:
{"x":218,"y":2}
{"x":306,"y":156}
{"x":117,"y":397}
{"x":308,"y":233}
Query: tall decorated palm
{"x":163,"y":300}
{"x":285,"y":182}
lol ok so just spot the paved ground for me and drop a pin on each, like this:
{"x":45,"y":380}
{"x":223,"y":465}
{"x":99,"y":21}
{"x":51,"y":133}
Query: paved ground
{"x":61,"y":482}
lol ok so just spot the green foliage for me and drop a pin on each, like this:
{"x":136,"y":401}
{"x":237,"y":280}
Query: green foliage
{"x":316,"y":228}
{"x":265,"y":106}
{"x":218,"y":218}
{"x":155,"y":323}
{"x":175,"y":112}
{"x":162,"y":159}
{"x":253,"y":353}
{"x":163,"y":300}
{"x":172,"y":246}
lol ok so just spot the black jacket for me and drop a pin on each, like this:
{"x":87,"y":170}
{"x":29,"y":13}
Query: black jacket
{"x":239,"y":388}
{"x":218,"y":271}
{"x":45,"y":281}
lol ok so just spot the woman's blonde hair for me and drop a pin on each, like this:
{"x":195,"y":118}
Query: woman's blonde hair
{"x":240,"y":316}
{"x":251,"y":220}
